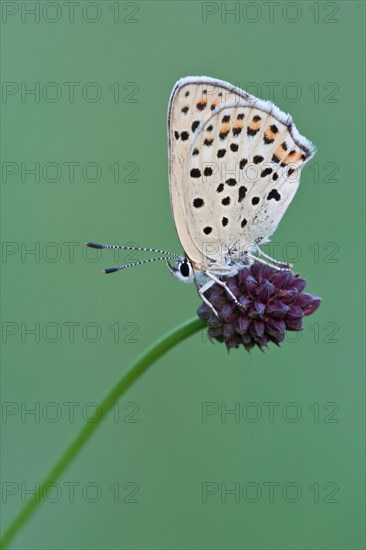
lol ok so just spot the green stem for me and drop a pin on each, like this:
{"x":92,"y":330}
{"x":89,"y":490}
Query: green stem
{"x":138,"y":367}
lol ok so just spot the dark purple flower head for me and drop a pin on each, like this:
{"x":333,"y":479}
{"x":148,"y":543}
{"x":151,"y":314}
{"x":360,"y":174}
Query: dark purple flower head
{"x":271,"y":301}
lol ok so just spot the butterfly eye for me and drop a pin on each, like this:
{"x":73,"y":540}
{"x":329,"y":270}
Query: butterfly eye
{"x":184,"y":269}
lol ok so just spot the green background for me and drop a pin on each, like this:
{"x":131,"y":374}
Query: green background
{"x":170,"y":452}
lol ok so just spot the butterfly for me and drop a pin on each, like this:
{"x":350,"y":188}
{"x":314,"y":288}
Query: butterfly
{"x":234,"y":167}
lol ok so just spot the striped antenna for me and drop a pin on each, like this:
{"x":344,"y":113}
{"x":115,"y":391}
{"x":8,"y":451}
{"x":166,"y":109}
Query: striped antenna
{"x":119,"y":268}
{"x":114,"y":246}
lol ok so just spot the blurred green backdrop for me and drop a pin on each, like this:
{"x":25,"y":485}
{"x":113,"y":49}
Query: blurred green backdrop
{"x":158,"y":473}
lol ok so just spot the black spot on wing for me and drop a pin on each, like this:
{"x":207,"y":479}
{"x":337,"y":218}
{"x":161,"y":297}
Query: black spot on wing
{"x":242,"y":192}
{"x":274,"y":194}
{"x":195,"y":173}
{"x":266,"y":172}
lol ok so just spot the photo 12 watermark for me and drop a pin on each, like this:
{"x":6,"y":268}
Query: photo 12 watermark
{"x":69,"y":171}
{"x":254,"y":492}
{"x":60,"y":12}
{"x":269,"y":412}
{"x":270,"y":12}
{"x":69,"y":332}
{"x":71,"y":92}
{"x":71,"y":492}
{"x":70,"y":412}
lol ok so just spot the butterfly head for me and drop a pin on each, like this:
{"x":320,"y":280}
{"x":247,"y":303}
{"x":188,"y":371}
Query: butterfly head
{"x":182,"y":269}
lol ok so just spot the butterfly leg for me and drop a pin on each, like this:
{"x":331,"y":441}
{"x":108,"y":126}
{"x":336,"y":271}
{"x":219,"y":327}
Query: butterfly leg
{"x":257,"y":259}
{"x":264,"y":255}
{"x":224,"y":285}
{"x":201,"y":292}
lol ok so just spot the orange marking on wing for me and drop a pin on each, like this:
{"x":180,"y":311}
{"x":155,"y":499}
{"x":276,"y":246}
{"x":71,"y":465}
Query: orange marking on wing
{"x":225,"y":128}
{"x":294,"y":158}
{"x":298,"y":156}
{"x":255,"y":125}
{"x":287,"y":160}
{"x":268,"y":134}
{"x":280,"y":153}
{"x":290,"y":157}
{"x":201,"y":103}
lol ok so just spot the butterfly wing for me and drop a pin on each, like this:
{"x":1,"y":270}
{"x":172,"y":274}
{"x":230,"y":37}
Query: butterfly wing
{"x":193,"y":100}
{"x":235,"y":163}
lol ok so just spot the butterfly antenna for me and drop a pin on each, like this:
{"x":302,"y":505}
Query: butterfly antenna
{"x":115,"y":246}
{"x":119,"y":268}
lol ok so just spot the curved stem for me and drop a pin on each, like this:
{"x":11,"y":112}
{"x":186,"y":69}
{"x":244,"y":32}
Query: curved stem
{"x":138,"y":367}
